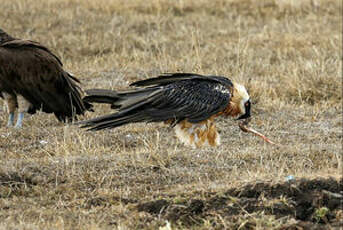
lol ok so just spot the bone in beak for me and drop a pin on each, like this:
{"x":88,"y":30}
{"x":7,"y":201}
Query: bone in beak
{"x":244,"y":127}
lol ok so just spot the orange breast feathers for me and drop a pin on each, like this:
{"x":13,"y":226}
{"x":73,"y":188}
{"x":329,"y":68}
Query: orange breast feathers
{"x":232,"y":109}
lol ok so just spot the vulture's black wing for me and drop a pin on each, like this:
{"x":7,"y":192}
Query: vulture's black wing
{"x":168,"y":78}
{"x":192,"y":97}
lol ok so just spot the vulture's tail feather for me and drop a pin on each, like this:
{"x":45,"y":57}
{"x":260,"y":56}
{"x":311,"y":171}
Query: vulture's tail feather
{"x":101,"y":96}
{"x":133,"y":106}
{"x":73,"y":103}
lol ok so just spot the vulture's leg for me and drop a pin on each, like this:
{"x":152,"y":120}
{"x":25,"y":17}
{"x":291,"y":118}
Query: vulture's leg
{"x":10,"y":121}
{"x":11,"y":104}
{"x":23,"y":106}
{"x":198,"y":134}
{"x":20,"y":118}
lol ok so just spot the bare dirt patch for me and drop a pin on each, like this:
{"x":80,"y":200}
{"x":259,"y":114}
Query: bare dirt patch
{"x":312,"y":204}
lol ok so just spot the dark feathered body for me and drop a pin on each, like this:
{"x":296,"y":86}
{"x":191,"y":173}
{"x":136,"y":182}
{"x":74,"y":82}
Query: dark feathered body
{"x":189,"y":101}
{"x":31,"y":70}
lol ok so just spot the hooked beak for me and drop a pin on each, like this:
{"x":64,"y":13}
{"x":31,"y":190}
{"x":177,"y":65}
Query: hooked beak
{"x":247,"y":106}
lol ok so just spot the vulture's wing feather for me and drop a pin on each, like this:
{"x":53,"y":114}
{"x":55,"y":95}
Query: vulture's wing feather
{"x":192,"y":99}
{"x":168,"y":78}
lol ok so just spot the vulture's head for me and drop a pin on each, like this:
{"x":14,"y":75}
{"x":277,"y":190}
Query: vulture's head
{"x":240,"y":102}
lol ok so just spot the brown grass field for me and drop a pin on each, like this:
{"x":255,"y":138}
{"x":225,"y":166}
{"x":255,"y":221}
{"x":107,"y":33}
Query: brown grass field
{"x":287,"y":53}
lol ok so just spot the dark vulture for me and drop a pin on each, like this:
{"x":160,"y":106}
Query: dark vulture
{"x":189,"y":102}
{"x":32,"y":78}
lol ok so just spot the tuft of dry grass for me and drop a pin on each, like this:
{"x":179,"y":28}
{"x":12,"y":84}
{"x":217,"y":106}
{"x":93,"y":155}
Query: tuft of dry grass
{"x":287,"y":53}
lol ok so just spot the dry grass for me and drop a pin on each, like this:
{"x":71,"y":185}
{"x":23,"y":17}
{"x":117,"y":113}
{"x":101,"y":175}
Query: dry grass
{"x":289,"y":55}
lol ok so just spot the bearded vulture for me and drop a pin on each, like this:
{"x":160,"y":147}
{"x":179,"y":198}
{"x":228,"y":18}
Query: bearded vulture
{"x":187,"y":101}
{"x":32,"y":78}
